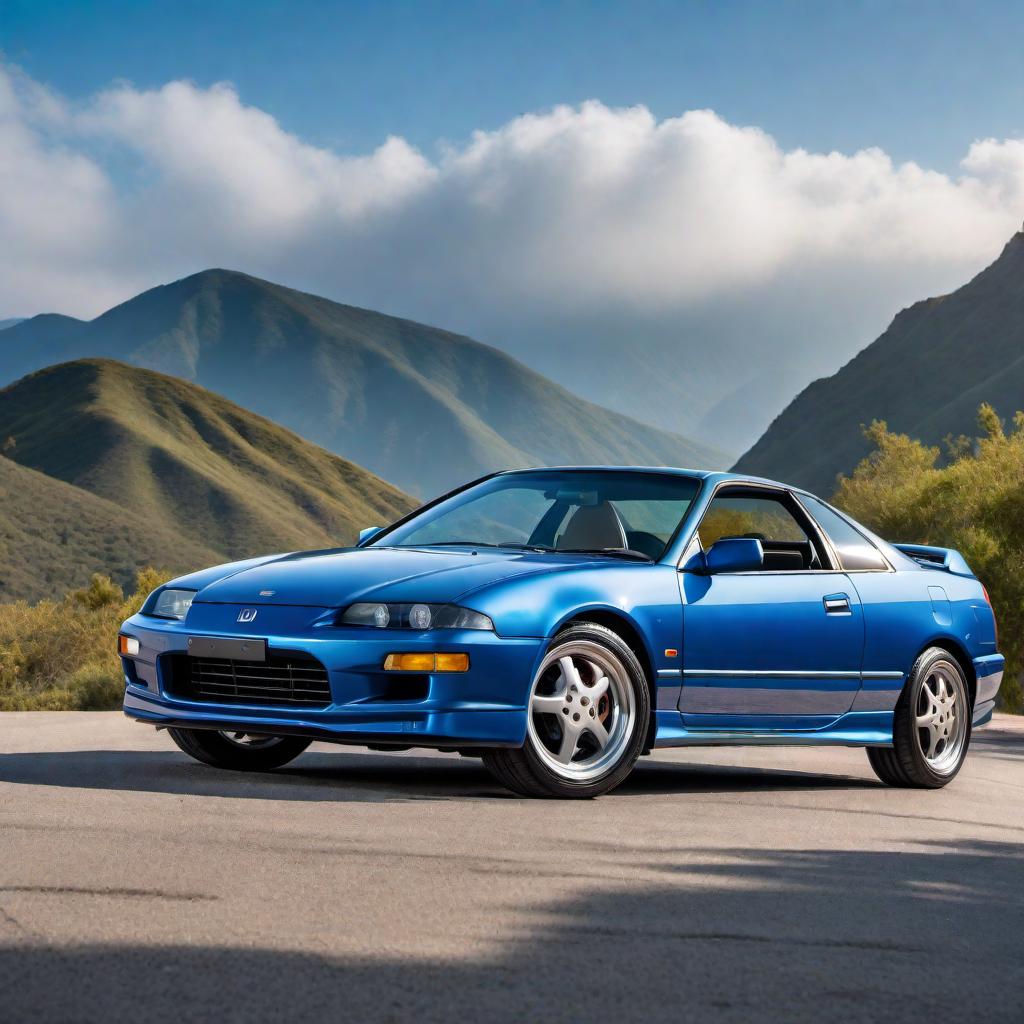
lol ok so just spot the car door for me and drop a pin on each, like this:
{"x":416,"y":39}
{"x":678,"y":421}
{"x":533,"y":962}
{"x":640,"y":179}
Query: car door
{"x":779,"y":647}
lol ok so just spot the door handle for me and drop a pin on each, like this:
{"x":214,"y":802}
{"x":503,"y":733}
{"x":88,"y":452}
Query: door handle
{"x":836,"y":604}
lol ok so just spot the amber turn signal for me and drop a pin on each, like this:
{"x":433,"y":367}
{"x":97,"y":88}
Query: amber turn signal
{"x":416,"y":661}
{"x":452,"y":662}
{"x":127,"y":645}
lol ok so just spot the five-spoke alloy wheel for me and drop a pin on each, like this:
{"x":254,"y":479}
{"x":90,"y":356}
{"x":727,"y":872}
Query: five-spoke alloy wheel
{"x":939,"y":716}
{"x":589,"y":708}
{"x":931,"y":726}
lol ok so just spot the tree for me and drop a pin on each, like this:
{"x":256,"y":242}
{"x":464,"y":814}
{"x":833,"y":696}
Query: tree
{"x":973,"y":501}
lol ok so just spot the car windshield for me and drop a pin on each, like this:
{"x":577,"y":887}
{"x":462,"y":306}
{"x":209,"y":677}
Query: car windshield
{"x":605,"y":511}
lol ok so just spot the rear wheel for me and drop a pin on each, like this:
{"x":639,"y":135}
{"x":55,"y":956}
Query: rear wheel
{"x":239,"y":751}
{"x":931,"y":726}
{"x":587,"y":718}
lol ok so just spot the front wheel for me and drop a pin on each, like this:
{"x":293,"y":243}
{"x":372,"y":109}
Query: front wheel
{"x":931,"y":726}
{"x":588,"y":711}
{"x":239,"y":751}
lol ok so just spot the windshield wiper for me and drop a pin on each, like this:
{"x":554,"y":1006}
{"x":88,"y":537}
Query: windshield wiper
{"x":455,"y":544}
{"x":627,"y":553}
{"x":480,"y":544}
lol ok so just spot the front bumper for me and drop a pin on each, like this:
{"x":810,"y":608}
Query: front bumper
{"x":485,"y":706}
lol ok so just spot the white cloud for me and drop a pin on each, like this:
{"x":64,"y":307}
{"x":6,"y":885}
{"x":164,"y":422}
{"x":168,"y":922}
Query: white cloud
{"x":556,"y":233}
{"x":56,"y":205}
{"x":237,"y":163}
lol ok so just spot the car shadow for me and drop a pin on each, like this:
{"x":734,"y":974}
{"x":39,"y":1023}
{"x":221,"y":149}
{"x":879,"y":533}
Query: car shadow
{"x":923,"y":931}
{"x":365,"y":776}
{"x":1000,"y":744}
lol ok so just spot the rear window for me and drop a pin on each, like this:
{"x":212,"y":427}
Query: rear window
{"x":855,"y":551}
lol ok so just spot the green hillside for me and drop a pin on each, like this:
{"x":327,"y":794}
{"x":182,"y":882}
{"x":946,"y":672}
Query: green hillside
{"x":925,"y":376}
{"x":181,"y":476}
{"x":417,"y":405}
{"x":54,"y":536}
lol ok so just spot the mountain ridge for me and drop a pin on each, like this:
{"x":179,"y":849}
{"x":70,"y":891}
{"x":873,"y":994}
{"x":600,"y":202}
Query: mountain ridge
{"x":925,"y":375}
{"x":418,"y":405}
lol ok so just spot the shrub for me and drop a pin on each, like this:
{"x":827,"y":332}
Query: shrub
{"x":96,"y":686}
{"x":62,"y":655}
{"x":100,"y":593}
{"x":974,"y":503}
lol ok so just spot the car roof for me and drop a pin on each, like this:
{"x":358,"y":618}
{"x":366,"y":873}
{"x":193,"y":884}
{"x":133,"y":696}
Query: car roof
{"x":713,"y":475}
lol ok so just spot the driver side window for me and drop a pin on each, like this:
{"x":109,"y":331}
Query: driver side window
{"x":786,"y":543}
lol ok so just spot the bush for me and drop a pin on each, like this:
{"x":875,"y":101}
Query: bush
{"x":97,"y":687}
{"x":101,"y":593}
{"x":62,"y":655}
{"x":974,"y":503}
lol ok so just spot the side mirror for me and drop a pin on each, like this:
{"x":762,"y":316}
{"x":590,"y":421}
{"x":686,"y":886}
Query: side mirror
{"x":734,"y":554}
{"x":370,"y":531}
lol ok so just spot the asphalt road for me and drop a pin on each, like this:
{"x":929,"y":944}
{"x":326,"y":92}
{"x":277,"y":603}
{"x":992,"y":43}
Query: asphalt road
{"x":716,"y":885}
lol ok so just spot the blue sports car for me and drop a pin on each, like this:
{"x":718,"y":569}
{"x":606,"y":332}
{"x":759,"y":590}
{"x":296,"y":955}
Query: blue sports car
{"x":559,"y":623}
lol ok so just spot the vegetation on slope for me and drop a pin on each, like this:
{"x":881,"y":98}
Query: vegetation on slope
{"x":161,"y":472}
{"x":974,"y":503}
{"x":53,"y":536}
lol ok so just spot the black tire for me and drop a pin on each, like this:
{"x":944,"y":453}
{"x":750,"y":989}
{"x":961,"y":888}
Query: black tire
{"x":218,"y":749}
{"x":906,"y":763}
{"x":527,"y":770}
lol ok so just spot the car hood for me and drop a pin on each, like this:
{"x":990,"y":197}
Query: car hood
{"x":335,"y":578}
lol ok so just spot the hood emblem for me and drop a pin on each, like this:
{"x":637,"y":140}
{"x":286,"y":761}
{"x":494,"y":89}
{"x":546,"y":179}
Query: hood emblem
{"x":267,"y":593}
{"x":247,"y":615}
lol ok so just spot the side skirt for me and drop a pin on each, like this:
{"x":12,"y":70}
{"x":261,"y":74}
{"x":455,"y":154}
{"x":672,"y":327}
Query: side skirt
{"x":854,"y":729}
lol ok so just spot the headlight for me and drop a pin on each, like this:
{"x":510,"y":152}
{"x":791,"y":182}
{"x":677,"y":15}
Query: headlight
{"x":413,"y":616}
{"x":172,"y":604}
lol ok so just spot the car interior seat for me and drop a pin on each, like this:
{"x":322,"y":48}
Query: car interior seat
{"x":593,"y":527}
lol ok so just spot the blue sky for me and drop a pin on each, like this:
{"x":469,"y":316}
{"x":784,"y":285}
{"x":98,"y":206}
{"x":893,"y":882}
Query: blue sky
{"x":749,"y":191}
{"x":919,"y":79}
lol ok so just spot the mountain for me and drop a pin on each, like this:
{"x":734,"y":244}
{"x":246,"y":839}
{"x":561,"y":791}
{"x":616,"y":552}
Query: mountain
{"x":53,"y":536}
{"x":714,"y":382}
{"x":925,"y":376}
{"x":155,"y":470}
{"x":4,"y":324}
{"x":417,"y":405}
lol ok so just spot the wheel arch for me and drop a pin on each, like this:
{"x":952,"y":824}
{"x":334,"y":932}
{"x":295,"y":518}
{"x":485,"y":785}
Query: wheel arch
{"x":620,"y":624}
{"x":954,"y":648}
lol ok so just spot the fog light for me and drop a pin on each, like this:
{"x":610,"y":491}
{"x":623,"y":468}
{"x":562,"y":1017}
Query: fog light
{"x":416,"y":661}
{"x":127,"y":645}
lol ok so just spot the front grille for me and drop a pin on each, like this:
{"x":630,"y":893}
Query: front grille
{"x":288,"y":679}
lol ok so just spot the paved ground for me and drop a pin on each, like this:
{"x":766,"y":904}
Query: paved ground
{"x":725,"y":885}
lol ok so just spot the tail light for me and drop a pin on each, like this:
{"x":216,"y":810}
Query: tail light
{"x":988,"y":601}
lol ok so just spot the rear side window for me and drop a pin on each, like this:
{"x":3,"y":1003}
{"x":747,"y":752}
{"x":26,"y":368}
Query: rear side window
{"x":766,"y":518}
{"x":855,"y":551}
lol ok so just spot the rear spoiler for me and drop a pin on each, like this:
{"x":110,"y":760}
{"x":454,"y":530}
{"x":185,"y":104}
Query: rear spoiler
{"x":936,"y":558}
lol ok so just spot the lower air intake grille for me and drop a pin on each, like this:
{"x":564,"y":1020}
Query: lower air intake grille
{"x":289,"y":679}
